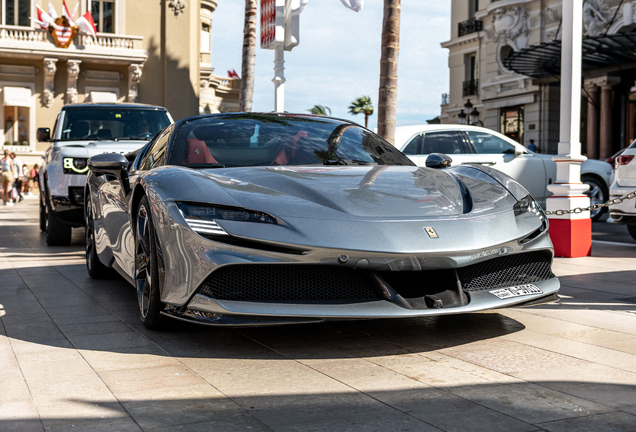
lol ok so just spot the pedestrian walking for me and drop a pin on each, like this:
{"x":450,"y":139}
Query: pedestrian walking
{"x":34,"y":178}
{"x":25,"y":179}
{"x":7,"y":178}
{"x":532,"y":146}
{"x":17,"y":175}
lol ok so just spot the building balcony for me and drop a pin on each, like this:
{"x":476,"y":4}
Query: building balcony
{"x":469,"y":26}
{"x":28,"y":42}
{"x":470,"y":88}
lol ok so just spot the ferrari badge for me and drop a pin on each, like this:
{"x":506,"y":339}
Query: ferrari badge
{"x":431,"y":232}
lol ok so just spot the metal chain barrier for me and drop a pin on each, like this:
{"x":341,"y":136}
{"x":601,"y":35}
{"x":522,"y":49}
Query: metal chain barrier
{"x":594,"y":206}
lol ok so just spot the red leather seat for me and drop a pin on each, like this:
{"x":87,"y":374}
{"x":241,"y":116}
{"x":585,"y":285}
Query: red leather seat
{"x":197,"y":152}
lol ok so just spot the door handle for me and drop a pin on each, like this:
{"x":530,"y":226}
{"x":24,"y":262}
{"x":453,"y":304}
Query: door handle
{"x":479,"y":163}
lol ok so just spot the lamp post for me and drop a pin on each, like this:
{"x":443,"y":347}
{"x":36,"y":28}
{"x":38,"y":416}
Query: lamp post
{"x":468,"y":115}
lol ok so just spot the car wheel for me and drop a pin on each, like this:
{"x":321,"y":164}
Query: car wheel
{"x":631,"y":229}
{"x":598,"y":195}
{"x":57,"y":233}
{"x":42,"y":215}
{"x":147,"y":279}
{"x":95,"y":268}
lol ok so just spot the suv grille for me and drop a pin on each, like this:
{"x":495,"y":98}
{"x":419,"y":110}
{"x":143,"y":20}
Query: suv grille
{"x":506,"y":271}
{"x":265,"y":282}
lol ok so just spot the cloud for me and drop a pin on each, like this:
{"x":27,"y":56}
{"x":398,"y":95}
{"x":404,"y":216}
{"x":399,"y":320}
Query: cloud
{"x":338,"y":58}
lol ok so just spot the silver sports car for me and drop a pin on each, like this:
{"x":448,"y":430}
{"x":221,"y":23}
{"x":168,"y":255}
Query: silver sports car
{"x":256,"y":219}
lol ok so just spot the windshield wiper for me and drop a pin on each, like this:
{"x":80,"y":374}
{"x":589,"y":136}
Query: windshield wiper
{"x":205,"y":165}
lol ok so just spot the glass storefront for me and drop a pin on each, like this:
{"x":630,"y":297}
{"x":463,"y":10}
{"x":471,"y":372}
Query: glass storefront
{"x":16,"y":126}
{"x":511,"y":123}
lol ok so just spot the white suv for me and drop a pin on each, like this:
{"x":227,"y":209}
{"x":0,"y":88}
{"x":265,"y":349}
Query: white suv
{"x":81,"y":131}
{"x":478,"y":145}
{"x":625,"y":183}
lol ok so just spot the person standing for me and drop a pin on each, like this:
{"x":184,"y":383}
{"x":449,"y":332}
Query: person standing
{"x":17,"y":174}
{"x":35,"y":175}
{"x":25,"y":179}
{"x":532,"y":147}
{"x":7,"y":178}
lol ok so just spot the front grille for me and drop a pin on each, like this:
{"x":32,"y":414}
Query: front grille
{"x":266,"y":282}
{"x":506,"y":271}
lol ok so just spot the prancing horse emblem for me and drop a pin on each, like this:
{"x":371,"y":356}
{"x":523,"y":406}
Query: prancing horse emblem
{"x":431,"y":232}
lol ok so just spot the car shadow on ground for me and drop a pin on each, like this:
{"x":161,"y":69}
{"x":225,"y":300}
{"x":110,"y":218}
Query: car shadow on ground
{"x":479,"y":407}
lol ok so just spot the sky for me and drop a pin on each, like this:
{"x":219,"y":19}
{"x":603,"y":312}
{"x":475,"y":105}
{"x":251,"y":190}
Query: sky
{"x":338,"y":58}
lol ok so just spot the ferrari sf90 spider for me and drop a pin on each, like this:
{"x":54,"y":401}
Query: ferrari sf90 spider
{"x":256,"y":219}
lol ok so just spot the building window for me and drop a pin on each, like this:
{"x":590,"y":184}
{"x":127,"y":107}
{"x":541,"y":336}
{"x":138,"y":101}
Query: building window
{"x":17,"y":12}
{"x":470,"y":76}
{"x":511,"y":122}
{"x":473,"y":6}
{"x":205,"y":37}
{"x":103,"y":12}
{"x":16,"y":125}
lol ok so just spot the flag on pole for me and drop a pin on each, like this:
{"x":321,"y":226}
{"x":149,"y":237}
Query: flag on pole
{"x":87,"y":25}
{"x":66,"y":14}
{"x":44,"y":20}
{"x":232,"y":74}
{"x":52,"y":12}
{"x":354,"y":5}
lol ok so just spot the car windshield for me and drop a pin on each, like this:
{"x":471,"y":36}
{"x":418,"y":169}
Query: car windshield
{"x":113,"y":123}
{"x":272,"y":139}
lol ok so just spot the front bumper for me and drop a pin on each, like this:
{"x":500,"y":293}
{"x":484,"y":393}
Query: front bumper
{"x":624,"y":212}
{"x":69,"y":209}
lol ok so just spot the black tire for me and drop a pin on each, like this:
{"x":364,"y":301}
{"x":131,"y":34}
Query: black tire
{"x":42,"y":214}
{"x":631,"y":229}
{"x":147,"y":280}
{"x":94,"y":266}
{"x":57,"y":233}
{"x":598,"y":194}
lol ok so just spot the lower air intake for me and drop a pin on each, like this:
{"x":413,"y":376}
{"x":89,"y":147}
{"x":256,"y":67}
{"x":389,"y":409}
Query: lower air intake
{"x":507,"y":271}
{"x":286,"y":283}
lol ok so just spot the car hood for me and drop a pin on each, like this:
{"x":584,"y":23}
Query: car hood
{"x":92,"y":148}
{"x":370,"y":192}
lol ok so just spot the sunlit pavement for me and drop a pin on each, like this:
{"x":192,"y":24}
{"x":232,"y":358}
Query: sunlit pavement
{"x":73,"y":356}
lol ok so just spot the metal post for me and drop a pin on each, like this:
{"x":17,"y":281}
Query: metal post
{"x":279,"y":80}
{"x":571,"y":233}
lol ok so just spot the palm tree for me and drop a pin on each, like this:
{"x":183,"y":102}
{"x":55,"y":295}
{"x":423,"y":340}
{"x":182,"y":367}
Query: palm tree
{"x":387,"y":100}
{"x":320,"y":110}
{"x":249,"y":56}
{"x":362,"y":105}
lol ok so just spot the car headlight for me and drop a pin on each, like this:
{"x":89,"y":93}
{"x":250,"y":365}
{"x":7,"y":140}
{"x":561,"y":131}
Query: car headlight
{"x":202,"y":218}
{"x":75,"y":165}
{"x":528,"y":204}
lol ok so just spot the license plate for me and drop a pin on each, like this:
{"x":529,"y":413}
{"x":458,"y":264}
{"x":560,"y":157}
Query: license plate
{"x":518,"y":291}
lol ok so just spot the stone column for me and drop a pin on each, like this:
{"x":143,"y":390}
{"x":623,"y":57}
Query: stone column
{"x":72,"y":70}
{"x":592,"y":120}
{"x":134,"y":75}
{"x":48,"y":94}
{"x":605,"y":147}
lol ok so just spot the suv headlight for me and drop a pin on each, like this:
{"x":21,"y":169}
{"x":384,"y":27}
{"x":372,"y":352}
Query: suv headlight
{"x":75,"y":165}
{"x":202,"y":218}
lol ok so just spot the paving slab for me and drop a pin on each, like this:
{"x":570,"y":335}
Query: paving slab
{"x":74,"y":356}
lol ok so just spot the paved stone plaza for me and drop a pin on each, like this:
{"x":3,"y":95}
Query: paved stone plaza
{"x":74,"y":356}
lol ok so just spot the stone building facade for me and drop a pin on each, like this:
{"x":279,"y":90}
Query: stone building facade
{"x":146,"y":51}
{"x":487,"y":34}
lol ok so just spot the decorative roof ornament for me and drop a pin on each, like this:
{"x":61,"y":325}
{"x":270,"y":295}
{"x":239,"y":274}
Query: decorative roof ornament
{"x":177,"y":7}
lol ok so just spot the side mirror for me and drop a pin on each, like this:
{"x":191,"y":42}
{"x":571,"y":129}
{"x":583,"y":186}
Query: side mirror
{"x":114,"y":164}
{"x":438,"y":160}
{"x":44,"y":135}
{"x":518,"y":152}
